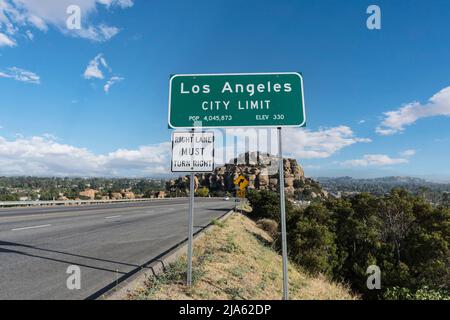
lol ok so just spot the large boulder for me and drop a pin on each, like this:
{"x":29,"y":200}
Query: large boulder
{"x":261,"y":169}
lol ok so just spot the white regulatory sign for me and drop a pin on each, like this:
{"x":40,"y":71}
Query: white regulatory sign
{"x":192,"y":151}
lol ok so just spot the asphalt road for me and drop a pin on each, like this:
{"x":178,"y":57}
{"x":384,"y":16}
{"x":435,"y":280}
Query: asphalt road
{"x":37,"y":245}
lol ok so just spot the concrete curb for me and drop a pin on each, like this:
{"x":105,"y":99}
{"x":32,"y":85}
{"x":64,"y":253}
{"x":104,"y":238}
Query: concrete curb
{"x":156,"y":267}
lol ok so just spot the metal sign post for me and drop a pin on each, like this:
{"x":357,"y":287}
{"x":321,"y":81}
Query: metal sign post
{"x":192,"y":152}
{"x":191,"y":229}
{"x":283,"y":220}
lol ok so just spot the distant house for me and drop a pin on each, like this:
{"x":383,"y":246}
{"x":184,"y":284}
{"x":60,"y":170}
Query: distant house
{"x":24,"y":198}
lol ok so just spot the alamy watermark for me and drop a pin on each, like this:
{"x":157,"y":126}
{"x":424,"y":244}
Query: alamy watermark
{"x":73,"y":282}
{"x":73,"y":21}
{"x":374,"y":20}
{"x":374,"y":279}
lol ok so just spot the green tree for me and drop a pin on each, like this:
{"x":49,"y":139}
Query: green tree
{"x":404,"y":235}
{"x":312,"y":242}
{"x":266,"y":204}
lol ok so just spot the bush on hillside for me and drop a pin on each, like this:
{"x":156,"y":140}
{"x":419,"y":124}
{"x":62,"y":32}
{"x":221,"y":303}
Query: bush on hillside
{"x":266,"y":204}
{"x":406,"y":237}
{"x":397,"y":293}
{"x":268,"y":225}
{"x":202,"y":192}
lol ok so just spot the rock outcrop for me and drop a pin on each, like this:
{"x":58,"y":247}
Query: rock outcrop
{"x":261,"y":170}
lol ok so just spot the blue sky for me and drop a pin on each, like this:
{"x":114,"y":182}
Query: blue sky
{"x":56,"y":117}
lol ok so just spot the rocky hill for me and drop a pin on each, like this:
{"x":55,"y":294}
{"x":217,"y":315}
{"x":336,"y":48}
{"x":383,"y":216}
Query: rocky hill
{"x":261,"y":170}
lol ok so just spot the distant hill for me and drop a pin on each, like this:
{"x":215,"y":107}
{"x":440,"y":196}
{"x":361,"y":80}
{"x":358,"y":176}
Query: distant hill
{"x":431,"y":190}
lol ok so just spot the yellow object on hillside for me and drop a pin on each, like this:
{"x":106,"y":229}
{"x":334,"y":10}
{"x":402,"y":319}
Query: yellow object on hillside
{"x":241,"y":181}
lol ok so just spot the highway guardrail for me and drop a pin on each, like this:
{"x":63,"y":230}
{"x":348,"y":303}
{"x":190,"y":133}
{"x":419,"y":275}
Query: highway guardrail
{"x":81,"y":202}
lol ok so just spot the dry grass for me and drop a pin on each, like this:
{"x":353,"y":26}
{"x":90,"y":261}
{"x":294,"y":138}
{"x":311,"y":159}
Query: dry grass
{"x":235,"y":261}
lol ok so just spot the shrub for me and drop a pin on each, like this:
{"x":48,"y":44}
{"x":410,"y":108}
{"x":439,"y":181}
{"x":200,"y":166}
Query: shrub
{"x":266,"y":204}
{"x":424,"y":293}
{"x":203,"y":192}
{"x":312,"y":240}
{"x":270,"y":226}
{"x":217,"y":222}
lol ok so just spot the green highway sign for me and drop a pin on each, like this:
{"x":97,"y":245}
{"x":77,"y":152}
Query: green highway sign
{"x":236,"y":100}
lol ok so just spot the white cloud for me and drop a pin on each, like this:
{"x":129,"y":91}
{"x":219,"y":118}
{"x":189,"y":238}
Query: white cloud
{"x":395,"y":121}
{"x":110,"y":82}
{"x":93,"y":69}
{"x":44,"y":156}
{"x":374,"y":160}
{"x":17,"y":16}
{"x":297,"y":142}
{"x":20,"y":75}
{"x":408,"y":153}
{"x":120,"y":3}
{"x":101,"y":33}
{"x":311,"y":166}
{"x":97,"y":68}
{"x":6,"y":41}
{"x":29,"y":34}
{"x":323,"y":143}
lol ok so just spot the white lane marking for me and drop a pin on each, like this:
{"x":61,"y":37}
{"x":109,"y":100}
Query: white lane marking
{"x":34,"y":227}
{"x":111,"y":217}
{"x":81,"y":212}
